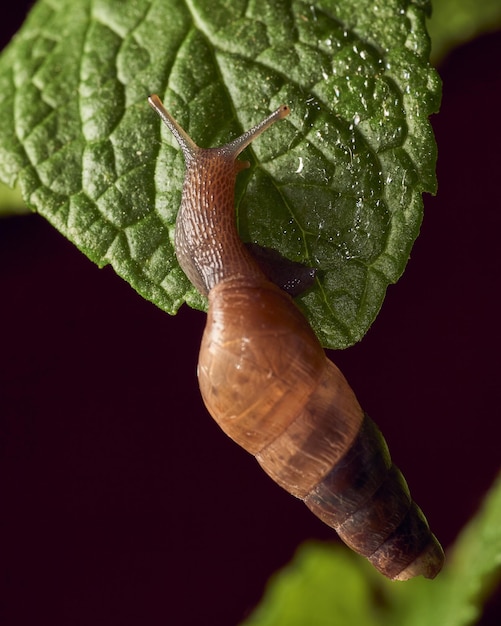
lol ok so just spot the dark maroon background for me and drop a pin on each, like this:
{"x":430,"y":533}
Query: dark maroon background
{"x":122,"y":502}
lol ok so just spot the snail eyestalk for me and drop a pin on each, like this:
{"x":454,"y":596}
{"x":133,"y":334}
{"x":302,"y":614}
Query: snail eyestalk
{"x":186,"y":143}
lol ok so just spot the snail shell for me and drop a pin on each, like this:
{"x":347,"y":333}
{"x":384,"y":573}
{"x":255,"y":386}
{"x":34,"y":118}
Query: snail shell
{"x":267,"y":382}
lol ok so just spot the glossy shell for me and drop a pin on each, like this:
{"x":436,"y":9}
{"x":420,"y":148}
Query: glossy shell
{"x":266,"y":381}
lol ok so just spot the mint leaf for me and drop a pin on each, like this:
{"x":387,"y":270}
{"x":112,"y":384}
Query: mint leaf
{"x":337,"y":185}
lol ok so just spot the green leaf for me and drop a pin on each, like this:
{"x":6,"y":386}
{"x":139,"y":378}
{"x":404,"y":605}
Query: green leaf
{"x":11,"y":201}
{"x":324,"y":585}
{"x":456,"y":21}
{"x":337,"y":185}
{"x":328,"y":584}
{"x":472,"y":571}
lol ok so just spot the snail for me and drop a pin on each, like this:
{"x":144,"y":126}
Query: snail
{"x":266,"y":380}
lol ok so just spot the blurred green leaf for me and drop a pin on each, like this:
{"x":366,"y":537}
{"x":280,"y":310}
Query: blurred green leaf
{"x":471,"y":573}
{"x":337,"y":185}
{"x":11,"y":201}
{"x":456,"y":21}
{"x":327,"y":585}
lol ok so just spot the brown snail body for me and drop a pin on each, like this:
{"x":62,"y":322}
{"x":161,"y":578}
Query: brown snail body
{"x":267,"y":382}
